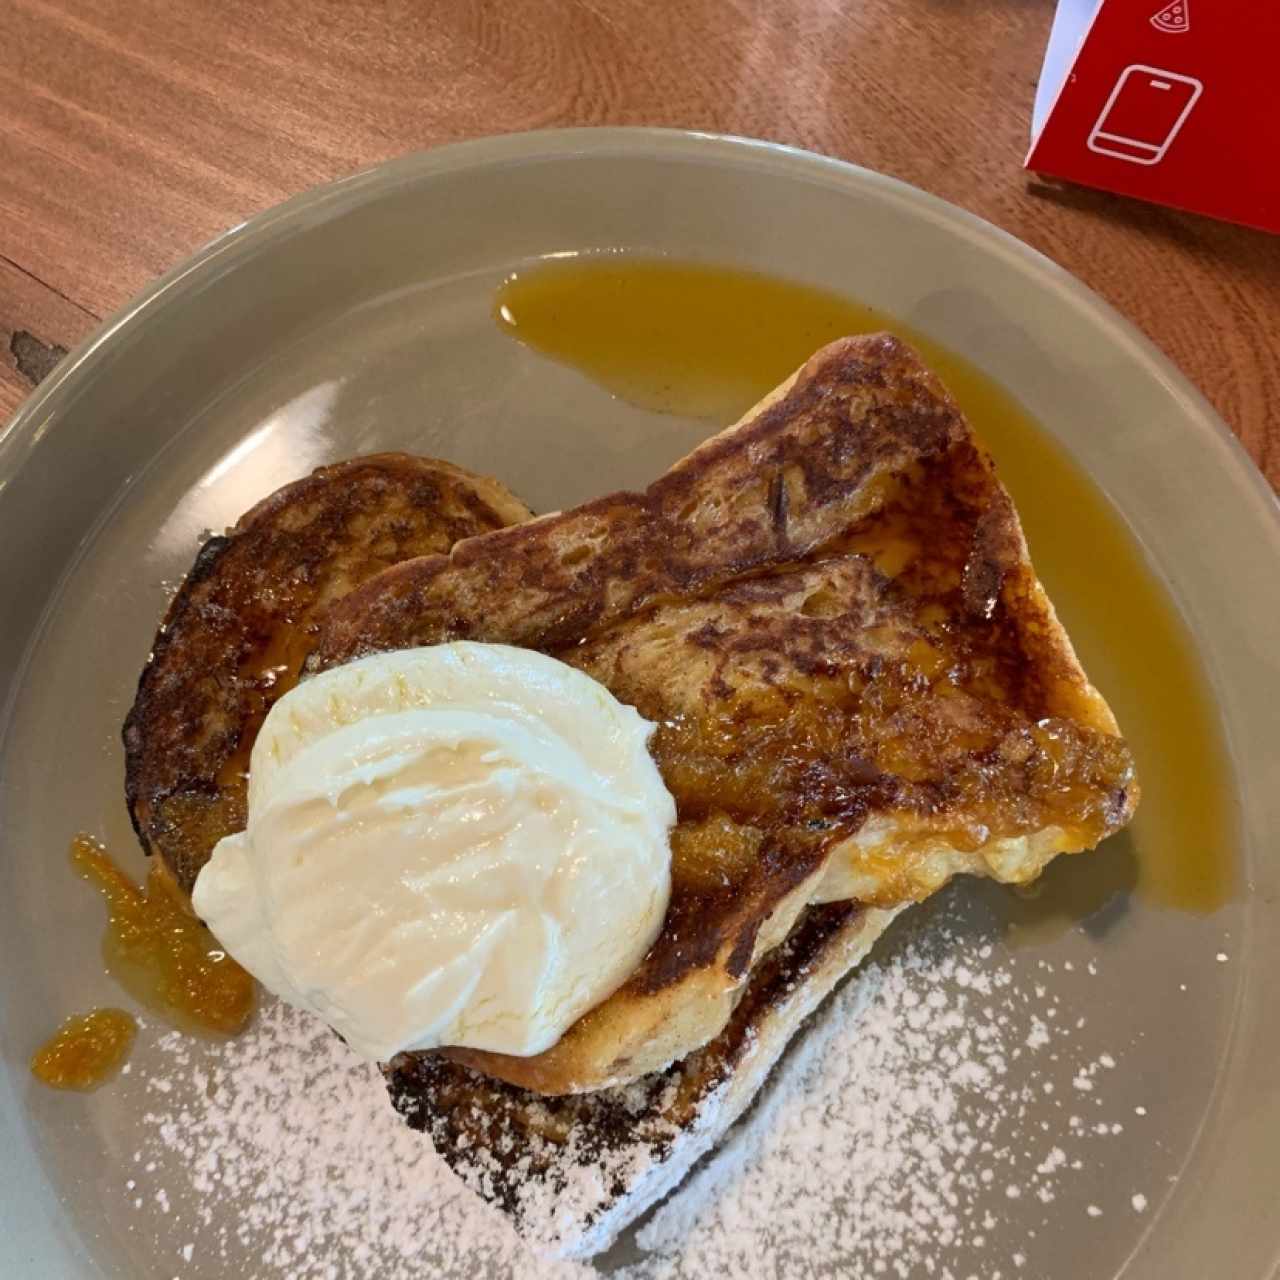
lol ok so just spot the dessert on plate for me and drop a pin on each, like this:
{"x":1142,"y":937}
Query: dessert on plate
{"x":571,"y":821}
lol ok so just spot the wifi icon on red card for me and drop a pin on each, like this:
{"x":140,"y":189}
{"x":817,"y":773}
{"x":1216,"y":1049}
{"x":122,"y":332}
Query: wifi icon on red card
{"x":1174,"y":19}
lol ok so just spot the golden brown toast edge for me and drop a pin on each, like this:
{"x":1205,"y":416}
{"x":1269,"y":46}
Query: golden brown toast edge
{"x":533,"y":585}
{"x":234,"y":636}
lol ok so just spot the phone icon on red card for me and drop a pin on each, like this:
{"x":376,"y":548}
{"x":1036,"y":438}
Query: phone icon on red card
{"x":1144,"y":114}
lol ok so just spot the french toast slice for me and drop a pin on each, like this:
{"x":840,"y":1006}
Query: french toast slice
{"x":859,"y":684}
{"x":573,"y":1171}
{"x":236,"y":633}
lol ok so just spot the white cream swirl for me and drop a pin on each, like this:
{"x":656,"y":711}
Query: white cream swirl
{"x":458,"y":845}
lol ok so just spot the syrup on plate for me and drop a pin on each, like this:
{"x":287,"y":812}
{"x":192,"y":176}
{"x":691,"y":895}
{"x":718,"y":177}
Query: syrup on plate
{"x":160,"y":953}
{"x":163,"y":957}
{"x":708,"y":342}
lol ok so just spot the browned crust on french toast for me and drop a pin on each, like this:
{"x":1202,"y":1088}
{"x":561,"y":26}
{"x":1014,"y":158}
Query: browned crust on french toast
{"x":460,"y":1107}
{"x":672,"y":539}
{"x":235,"y":635}
{"x":829,"y":612}
{"x":572,"y":1171}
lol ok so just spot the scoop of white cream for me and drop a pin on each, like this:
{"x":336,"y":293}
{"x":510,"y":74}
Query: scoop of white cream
{"x":458,"y":845}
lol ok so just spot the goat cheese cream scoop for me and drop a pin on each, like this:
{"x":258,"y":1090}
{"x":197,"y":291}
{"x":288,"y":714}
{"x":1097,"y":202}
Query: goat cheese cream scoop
{"x":458,"y":845}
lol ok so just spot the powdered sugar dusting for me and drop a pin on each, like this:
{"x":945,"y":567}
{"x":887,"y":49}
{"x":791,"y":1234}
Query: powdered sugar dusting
{"x":292,"y":1158}
{"x":906,"y":1131}
{"x":898,"y":1134}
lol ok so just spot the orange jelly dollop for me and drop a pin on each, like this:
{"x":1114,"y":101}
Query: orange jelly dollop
{"x":86,"y":1051}
{"x":161,"y":954}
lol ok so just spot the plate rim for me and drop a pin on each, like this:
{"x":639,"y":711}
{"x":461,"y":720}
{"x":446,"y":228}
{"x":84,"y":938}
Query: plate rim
{"x":40,"y":413}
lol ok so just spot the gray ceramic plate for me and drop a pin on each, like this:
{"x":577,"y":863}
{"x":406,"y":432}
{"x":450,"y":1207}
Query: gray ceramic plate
{"x":356,"y":318}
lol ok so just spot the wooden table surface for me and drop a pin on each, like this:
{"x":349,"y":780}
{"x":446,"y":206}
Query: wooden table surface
{"x":131,"y":131}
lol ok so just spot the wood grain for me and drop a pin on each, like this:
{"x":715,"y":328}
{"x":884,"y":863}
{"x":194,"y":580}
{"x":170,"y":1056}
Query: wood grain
{"x":37,"y":326}
{"x":134,"y":130}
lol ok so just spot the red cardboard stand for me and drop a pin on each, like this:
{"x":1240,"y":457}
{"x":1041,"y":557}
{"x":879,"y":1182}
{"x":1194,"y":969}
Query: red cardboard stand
{"x":1173,"y":101}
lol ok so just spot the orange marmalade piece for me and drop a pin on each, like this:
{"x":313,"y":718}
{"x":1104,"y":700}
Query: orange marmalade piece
{"x":86,"y":1051}
{"x":161,"y":954}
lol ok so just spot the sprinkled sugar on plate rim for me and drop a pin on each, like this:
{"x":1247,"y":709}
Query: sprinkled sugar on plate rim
{"x":193,"y":401}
